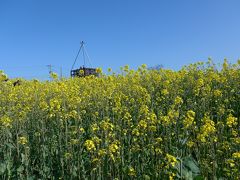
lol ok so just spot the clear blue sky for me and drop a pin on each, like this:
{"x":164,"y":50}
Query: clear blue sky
{"x":35,"y":33}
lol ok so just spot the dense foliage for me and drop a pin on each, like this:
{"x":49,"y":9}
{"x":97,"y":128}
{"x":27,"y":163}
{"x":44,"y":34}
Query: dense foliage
{"x":144,"y":124}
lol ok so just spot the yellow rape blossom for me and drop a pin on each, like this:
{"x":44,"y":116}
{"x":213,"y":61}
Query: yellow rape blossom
{"x":178,"y":100}
{"x":171,"y":160}
{"x":67,"y":155}
{"x":207,"y":129}
{"x":236,"y":155}
{"x":22,"y":140}
{"x":6,"y":121}
{"x":135,"y":132}
{"x":231,"y":121}
{"x":113,"y":148}
{"x":82,"y":130}
{"x":89,"y":144}
{"x":54,"y":75}
{"x":94,"y":127}
{"x":102,"y":152}
{"x":106,"y":125}
{"x":190,"y":144}
{"x":142,"y":124}
{"x":189,"y":119}
{"x":74,"y":141}
{"x":132,"y":125}
{"x":217,"y":93}
{"x":131,"y":171}
{"x":165,"y":92}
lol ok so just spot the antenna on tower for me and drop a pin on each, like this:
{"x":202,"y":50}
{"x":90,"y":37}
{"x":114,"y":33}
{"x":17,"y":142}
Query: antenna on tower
{"x":49,"y":69}
{"x":61,"y":74}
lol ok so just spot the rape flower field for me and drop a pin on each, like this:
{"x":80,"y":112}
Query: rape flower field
{"x":143,"y":124}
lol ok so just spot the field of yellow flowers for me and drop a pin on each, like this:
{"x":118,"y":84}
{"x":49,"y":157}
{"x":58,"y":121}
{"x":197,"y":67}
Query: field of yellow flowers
{"x":142,"y":124}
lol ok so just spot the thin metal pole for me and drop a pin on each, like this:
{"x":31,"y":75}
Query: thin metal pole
{"x":77,"y":55}
{"x":61,"y":72}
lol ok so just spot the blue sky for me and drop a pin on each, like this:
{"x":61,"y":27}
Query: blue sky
{"x":35,"y":33}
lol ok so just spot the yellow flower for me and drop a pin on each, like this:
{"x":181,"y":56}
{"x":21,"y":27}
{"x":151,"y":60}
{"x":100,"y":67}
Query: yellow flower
{"x":3,"y":76}
{"x":95,"y":161}
{"x":207,"y":129}
{"x":96,"y":140}
{"x":178,"y":100}
{"x":126,"y":68}
{"x":109,"y":70}
{"x":231,"y":162}
{"x":72,"y":114}
{"x":190,"y":143}
{"x":81,"y":72}
{"x":217,"y":93}
{"x":171,"y":176}
{"x":142,"y":124}
{"x":67,"y":155}
{"x":165,"y":120}
{"x":127,"y":116}
{"x":171,"y":160}
{"x":165,"y":92}
{"x":152,"y":128}
{"x":54,"y":75}
{"x":55,"y":104}
{"x":158,"y":151}
{"x":144,"y":66}
{"x":94,"y":127}
{"x":89,"y":144}
{"x":200,"y":82}
{"x":22,"y":140}
{"x":125,"y":132}
{"x":99,"y":70}
{"x":113,"y":148}
{"x":106,"y":125}
{"x":131,"y":171}
{"x":82,"y":130}
{"x":190,"y":113}
{"x":234,"y":133}
{"x":102,"y":152}
{"x":231,"y":121}
{"x":236,"y":155}
{"x":6,"y":121}
{"x":237,"y":140}
{"x":189,"y":120}
{"x":158,"y":140}
{"x":96,"y":114}
{"x":135,"y":132}
{"x":74,"y":141}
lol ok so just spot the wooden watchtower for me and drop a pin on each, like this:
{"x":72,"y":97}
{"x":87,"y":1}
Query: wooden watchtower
{"x":83,"y":71}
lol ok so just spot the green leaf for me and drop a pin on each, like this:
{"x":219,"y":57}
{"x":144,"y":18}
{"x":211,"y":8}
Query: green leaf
{"x":198,"y":178}
{"x":3,"y":168}
{"x":186,"y":174}
{"x":192,"y":165}
{"x":10,"y":145}
{"x":23,"y":158}
{"x":46,"y":169}
{"x":31,"y":178}
{"x":9,"y":165}
{"x":74,"y":172}
{"x":20,"y":169}
{"x":146,"y":177}
{"x":190,"y":168}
